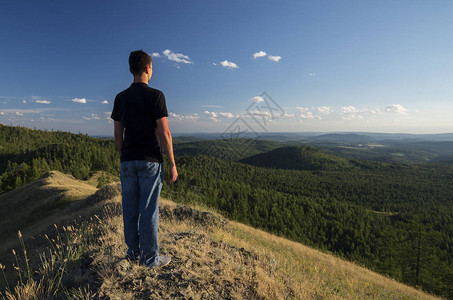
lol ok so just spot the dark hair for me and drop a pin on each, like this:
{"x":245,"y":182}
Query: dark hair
{"x":138,"y":60}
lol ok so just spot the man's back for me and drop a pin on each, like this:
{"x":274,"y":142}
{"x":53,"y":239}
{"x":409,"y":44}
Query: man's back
{"x":137,"y":108}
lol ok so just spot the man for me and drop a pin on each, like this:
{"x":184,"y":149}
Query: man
{"x":141,"y":129}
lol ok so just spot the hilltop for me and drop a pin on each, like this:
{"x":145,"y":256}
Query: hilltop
{"x":299,"y":158}
{"x":213,"y":258}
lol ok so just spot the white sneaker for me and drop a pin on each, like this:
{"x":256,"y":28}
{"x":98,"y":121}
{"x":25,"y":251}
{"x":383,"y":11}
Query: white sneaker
{"x":163,"y":260}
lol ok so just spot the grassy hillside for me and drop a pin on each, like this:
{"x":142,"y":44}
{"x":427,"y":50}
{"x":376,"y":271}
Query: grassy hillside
{"x":83,"y":258}
{"x":38,"y":201}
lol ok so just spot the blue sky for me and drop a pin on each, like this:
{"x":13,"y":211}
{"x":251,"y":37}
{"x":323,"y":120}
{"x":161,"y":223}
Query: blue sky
{"x":381,"y":66}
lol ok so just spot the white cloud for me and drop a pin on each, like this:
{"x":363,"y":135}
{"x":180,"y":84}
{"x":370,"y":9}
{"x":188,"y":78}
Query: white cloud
{"x":351,"y":112}
{"x":211,"y":115}
{"x":105,"y":102}
{"x":18,"y":113}
{"x":312,"y":74}
{"x":227,"y":115}
{"x":229,"y":64}
{"x":177,"y":57}
{"x":260,"y":113}
{"x":79,"y":100}
{"x":274,"y":58}
{"x":259,"y":54}
{"x":24,"y":101}
{"x":214,"y":64}
{"x":326,"y":110}
{"x":92,"y":117}
{"x":2,"y":113}
{"x":285,"y":115}
{"x":43,"y":101}
{"x":216,"y":115}
{"x":155,"y":54}
{"x":257,"y":99}
{"x":397,"y":109}
{"x":184,"y":117}
{"x":305,"y":113}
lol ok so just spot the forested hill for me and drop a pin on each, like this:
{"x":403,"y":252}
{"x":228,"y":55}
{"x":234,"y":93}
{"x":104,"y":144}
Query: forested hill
{"x":394,"y":219}
{"x":26,"y":154}
{"x":299,"y":158}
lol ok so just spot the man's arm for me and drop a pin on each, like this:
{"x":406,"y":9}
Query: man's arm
{"x":167,"y":143}
{"x":118,"y":132}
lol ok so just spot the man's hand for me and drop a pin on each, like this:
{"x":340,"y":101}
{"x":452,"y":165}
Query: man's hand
{"x":167,"y":143}
{"x":173,"y":174}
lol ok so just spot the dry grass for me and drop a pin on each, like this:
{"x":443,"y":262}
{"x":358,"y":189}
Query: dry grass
{"x":36,"y":205}
{"x":287,"y":267}
{"x":211,"y":259}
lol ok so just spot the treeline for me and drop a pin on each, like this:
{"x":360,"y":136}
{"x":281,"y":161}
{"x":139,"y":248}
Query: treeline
{"x":394,"y":219}
{"x":27,"y":154}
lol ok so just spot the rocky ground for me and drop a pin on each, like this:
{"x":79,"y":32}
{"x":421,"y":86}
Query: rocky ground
{"x":201,"y":267}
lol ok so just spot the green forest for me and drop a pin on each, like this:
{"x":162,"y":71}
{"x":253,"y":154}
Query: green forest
{"x":27,"y":154}
{"x":396,"y":219}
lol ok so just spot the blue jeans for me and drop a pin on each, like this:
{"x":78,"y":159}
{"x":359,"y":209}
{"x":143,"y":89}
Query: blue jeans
{"x":141,"y":183}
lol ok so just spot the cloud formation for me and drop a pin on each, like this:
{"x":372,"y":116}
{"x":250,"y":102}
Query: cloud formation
{"x":92,"y":117}
{"x":43,"y":101}
{"x":260,"y":113}
{"x":177,"y":57}
{"x":215,"y":116}
{"x":326,"y":110}
{"x":79,"y":100}
{"x":229,"y":64}
{"x":275,"y":58}
{"x":105,"y":102}
{"x":397,"y":109}
{"x":350,"y":112}
{"x":305,"y":113}
{"x":155,"y":54}
{"x":259,"y":54}
{"x":257,"y":99}
{"x":184,"y":117}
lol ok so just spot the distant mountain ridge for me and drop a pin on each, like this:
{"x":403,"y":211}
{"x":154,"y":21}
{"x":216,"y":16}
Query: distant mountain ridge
{"x":298,"y":136}
{"x":343,"y":138}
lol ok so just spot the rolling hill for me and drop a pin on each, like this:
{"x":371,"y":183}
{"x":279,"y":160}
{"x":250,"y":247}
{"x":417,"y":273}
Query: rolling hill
{"x":298,"y":158}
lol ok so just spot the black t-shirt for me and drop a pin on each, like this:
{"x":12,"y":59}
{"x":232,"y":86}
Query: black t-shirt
{"x":137,"y":108}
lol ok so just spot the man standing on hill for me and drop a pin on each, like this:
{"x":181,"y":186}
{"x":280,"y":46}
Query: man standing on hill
{"x":141,"y":129}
